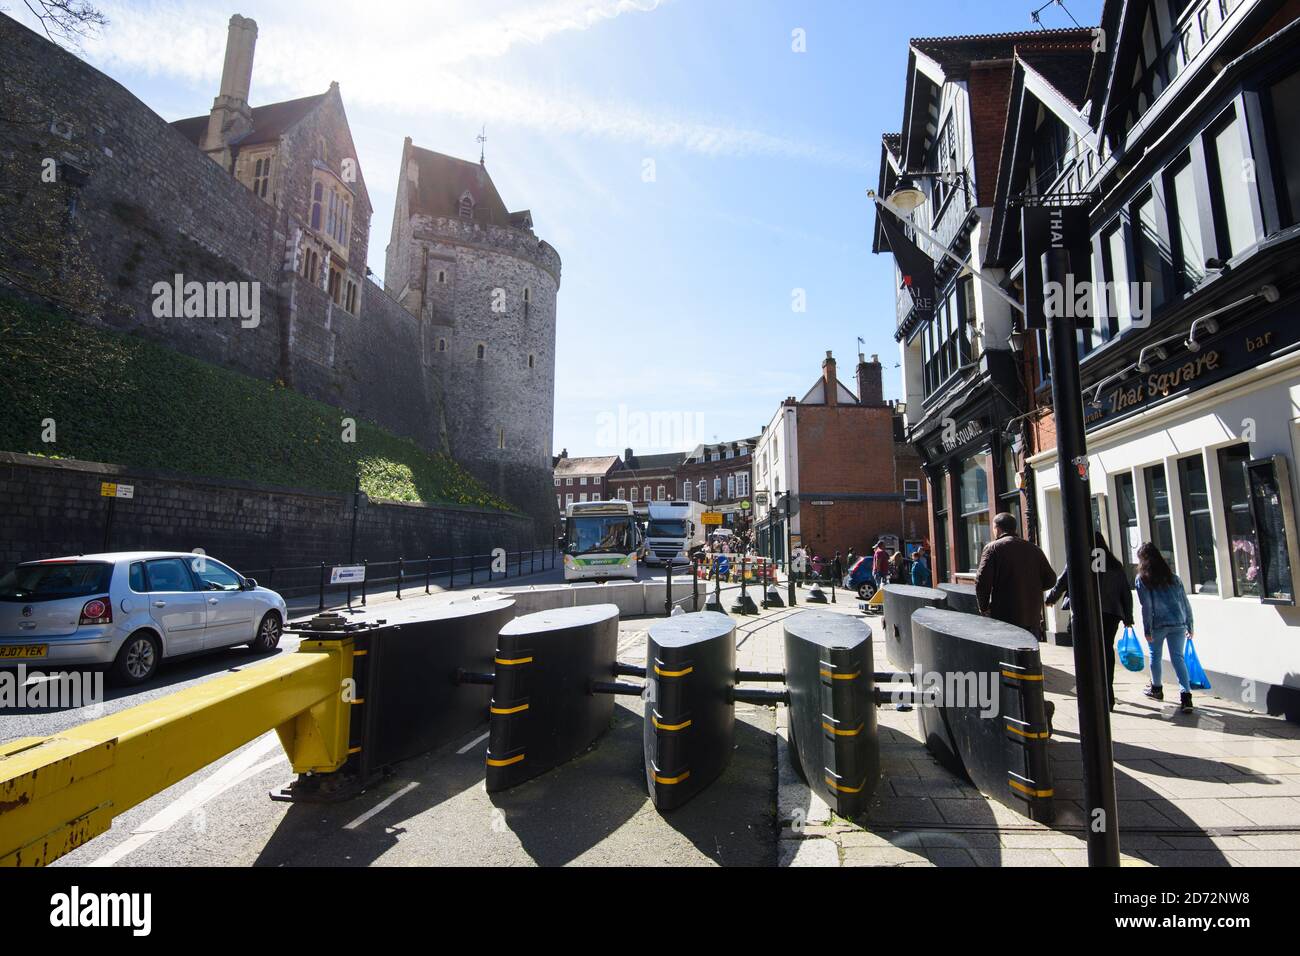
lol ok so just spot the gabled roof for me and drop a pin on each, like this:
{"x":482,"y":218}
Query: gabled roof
{"x":443,"y":180}
{"x":817,"y":394}
{"x":574,"y":467}
{"x":270,"y":122}
{"x":1037,"y":79}
{"x":933,"y":61}
{"x":653,"y":462}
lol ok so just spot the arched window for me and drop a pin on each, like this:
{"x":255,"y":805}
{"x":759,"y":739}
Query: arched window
{"x":659,"y":493}
{"x":466,"y":205}
{"x":647,"y":493}
{"x":480,"y":351}
{"x":633,"y":494}
{"x":442,"y":345}
{"x":442,"y":277}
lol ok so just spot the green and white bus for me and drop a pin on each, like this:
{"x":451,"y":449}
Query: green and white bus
{"x":601,"y":540}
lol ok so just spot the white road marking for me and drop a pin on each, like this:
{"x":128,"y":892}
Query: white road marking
{"x":382,"y":805}
{"x":474,"y":743}
{"x":232,"y":772}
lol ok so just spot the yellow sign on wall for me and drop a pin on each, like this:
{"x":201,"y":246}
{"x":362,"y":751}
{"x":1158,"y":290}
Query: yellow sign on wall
{"x":711,"y":517}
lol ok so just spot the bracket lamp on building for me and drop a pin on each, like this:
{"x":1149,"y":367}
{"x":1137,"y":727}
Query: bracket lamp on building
{"x":905,"y":199}
{"x":1209,"y":325}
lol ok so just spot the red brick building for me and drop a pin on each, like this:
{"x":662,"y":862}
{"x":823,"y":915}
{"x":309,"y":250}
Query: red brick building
{"x":843,"y":457}
{"x":642,"y":478}
{"x":721,"y":476}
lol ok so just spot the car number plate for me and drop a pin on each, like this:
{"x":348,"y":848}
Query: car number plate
{"x":23,"y":650}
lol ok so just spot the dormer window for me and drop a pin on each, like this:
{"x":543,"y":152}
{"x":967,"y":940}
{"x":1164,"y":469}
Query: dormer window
{"x":466,"y":205}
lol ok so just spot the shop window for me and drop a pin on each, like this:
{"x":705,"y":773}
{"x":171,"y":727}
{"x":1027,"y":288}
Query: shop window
{"x":1130,"y":533}
{"x":1242,"y":547}
{"x":939,"y":495}
{"x":1268,"y":482}
{"x":1162,"y":525}
{"x":973,"y":526}
{"x":1010,"y":500}
{"x":1202,"y":576}
{"x":1233,"y":213}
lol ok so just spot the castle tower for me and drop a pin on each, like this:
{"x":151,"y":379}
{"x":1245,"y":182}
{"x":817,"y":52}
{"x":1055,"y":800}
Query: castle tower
{"x":231,"y":116}
{"x":484,"y":287}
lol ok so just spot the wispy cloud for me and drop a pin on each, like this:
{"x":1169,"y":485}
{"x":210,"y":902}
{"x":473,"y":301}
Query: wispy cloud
{"x":421,"y":59}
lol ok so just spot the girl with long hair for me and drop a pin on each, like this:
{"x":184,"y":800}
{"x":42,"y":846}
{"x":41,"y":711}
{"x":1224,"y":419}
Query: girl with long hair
{"x":1166,"y":619}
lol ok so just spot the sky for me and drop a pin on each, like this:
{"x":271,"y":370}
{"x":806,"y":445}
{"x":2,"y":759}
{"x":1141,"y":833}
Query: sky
{"x":700,"y":166}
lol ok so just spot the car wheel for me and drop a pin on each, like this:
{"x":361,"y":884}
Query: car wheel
{"x":866,"y":591}
{"x":137,"y":660}
{"x":268,"y":634}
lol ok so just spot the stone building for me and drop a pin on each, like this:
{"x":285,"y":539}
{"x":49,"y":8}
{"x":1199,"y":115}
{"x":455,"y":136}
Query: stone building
{"x":299,"y":158}
{"x":273,"y":198}
{"x":843,"y":460}
{"x":483,"y":287}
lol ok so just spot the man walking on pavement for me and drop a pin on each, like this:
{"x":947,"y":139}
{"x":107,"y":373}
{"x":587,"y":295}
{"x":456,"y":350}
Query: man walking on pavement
{"x":1012,"y":576}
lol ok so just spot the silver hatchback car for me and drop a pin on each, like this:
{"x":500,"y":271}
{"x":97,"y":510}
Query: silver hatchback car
{"x":128,"y":610}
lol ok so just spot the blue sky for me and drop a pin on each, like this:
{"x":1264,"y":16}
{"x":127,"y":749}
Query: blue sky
{"x":677,"y":293}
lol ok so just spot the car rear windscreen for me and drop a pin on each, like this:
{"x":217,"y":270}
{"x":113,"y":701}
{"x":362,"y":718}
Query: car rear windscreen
{"x":52,"y":582}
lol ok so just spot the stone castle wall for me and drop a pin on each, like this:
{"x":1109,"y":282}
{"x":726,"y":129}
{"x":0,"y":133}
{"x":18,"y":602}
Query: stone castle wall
{"x":153,"y":206}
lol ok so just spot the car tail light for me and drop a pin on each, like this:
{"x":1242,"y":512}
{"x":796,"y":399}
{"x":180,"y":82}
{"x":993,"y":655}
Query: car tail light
{"x":97,"y":611}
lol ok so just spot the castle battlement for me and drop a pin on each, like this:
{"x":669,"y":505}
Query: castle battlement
{"x":515,"y":242}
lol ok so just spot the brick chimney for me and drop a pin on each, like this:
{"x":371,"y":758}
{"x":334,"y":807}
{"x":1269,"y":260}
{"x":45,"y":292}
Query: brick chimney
{"x":830,"y":384}
{"x":231,"y":116}
{"x":871,"y":389}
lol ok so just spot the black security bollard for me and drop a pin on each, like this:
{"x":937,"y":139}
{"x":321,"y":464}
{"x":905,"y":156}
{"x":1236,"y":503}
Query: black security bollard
{"x":365,"y":577}
{"x":322,"y":587}
{"x":451,"y":573}
{"x":668,"y":588}
{"x":471,"y":567}
{"x":428,"y":570}
{"x":401,"y":570}
{"x":695,"y":586}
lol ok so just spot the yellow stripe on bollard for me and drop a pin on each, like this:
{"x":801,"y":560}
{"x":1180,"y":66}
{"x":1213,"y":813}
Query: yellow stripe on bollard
{"x":57,"y":793}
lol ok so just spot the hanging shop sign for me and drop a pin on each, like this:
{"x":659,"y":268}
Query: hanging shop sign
{"x":1046,"y":228}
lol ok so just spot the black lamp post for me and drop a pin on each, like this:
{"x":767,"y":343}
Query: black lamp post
{"x":1055,"y":239}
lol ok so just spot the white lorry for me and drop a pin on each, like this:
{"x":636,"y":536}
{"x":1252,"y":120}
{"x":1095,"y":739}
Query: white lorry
{"x":673,"y":530}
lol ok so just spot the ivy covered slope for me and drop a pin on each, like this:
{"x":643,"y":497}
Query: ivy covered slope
{"x":115,"y":398}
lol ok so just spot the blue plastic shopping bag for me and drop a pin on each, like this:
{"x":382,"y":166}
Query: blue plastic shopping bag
{"x":1130,"y":651}
{"x":1195,"y":672}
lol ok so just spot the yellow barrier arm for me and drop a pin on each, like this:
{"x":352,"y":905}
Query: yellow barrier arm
{"x":56,"y":793}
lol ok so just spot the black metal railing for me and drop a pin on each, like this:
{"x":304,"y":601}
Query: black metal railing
{"x":408,"y":574}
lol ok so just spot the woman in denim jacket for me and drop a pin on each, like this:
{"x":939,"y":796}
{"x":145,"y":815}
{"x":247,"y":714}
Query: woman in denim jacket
{"x":1166,"y":617}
